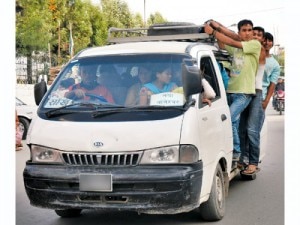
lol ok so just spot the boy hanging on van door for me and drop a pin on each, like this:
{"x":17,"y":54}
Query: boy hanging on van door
{"x":241,"y":86}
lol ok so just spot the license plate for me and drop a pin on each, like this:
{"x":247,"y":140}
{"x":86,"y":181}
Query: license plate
{"x":95,"y":182}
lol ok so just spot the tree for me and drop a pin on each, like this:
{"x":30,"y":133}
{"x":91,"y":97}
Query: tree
{"x":46,"y":25}
{"x":66,"y":16}
{"x":99,"y":27}
{"x":117,"y":14}
{"x":156,"y":18}
{"x":138,"y":20}
{"x":33,"y":33}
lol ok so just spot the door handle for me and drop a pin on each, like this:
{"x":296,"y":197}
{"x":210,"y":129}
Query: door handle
{"x":223,"y":117}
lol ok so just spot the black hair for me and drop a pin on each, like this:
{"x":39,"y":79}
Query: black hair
{"x":269,"y":36}
{"x":67,"y":82}
{"x":244,"y":22}
{"x":161,"y":67}
{"x":260,"y":29}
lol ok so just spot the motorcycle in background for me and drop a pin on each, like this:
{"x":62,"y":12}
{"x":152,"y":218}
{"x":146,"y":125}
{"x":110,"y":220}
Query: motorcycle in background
{"x":279,"y":101}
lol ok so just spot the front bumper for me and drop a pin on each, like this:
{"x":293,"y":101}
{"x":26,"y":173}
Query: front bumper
{"x":153,"y":189}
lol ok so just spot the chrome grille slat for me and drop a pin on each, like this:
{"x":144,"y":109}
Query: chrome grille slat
{"x":85,"y":159}
{"x":79,"y":158}
{"x":131,"y":158}
{"x":125,"y":159}
{"x":102,"y":159}
{"x":94,"y":160}
{"x":73,"y":159}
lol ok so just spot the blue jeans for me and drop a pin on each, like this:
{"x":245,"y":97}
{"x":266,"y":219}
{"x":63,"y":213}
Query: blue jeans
{"x":237,"y":103}
{"x":251,"y":122}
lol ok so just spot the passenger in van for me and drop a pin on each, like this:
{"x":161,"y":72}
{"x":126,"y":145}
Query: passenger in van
{"x":133,"y":94}
{"x":88,"y":85}
{"x":177,"y":74}
{"x":207,"y":92}
{"x":111,"y":79}
{"x":161,"y":84}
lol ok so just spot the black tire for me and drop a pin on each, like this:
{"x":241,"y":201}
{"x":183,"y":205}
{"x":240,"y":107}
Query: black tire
{"x":214,"y":208}
{"x":23,"y":126}
{"x":68,"y":212}
{"x":280,"y":106}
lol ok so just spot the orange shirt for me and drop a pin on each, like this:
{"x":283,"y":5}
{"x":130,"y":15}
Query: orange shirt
{"x":98,"y":90}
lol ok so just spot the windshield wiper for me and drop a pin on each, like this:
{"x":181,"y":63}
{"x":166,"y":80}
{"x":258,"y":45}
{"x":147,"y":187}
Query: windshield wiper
{"x":61,"y":111}
{"x":107,"y":109}
{"x":105,"y":112}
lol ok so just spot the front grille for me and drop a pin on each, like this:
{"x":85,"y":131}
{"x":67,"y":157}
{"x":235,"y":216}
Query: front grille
{"x":102,"y":159}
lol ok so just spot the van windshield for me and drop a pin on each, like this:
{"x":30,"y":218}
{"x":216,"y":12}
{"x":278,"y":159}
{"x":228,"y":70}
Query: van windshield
{"x":127,"y":81}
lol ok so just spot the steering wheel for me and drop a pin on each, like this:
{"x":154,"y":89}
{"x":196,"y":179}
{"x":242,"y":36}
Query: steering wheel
{"x":98,"y":97}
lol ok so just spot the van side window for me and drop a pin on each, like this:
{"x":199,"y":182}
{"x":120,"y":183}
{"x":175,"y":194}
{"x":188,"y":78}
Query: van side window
{"x":210,"y":74}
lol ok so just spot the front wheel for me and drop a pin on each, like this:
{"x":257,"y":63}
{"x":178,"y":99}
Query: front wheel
{"x":23,"y":126}
{"x":280,"y":107}
{"x":214,"y":208}
{"x":68,"y":212}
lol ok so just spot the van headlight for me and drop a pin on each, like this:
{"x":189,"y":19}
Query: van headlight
{"x":43,"y":154}
{"x":171,"y":154}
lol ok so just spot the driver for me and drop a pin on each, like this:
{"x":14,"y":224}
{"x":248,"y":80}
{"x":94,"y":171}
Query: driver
{"x":88,"y":86}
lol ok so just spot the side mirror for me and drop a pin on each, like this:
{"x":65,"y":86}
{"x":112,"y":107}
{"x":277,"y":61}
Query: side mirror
{"x":191,"y":80}
{"x":39,"y":91}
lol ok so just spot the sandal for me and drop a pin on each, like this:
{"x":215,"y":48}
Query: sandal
{"x":250,"y":169}
{"x":241,"y":165}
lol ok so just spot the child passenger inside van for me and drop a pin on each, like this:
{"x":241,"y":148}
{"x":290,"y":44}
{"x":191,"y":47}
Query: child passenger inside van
{"x":207,"y":93}
{"x":133,"y":95}
{"x":161,"y":84}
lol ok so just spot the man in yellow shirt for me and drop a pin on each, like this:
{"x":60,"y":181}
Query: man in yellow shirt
{"x":241,"y":86}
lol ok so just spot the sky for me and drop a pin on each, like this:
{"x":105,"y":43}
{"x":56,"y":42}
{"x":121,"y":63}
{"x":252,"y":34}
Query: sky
{"x":268,"y":14}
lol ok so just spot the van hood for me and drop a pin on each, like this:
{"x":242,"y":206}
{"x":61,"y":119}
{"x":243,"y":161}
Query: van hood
{"x":105,"y":136}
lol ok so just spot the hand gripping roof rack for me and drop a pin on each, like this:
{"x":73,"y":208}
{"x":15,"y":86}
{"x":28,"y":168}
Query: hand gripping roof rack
{"x":160,"y":32}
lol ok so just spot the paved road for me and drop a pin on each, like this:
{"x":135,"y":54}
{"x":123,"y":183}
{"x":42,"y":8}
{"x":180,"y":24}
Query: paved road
{"x":258,"y":202}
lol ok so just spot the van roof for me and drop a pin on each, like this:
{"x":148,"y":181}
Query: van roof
{"x":144,"y":47}
{"x":170,"y":37}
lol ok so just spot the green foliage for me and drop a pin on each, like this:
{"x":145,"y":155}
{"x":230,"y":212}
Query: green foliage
{"x":32,"y":28}
{"x":117,"y":14}
{"x":156,"y":18}
{"x":138,"y":20}
{"x":280,"y":57}
{"x":44,"y":23}
{"x":99,"y":28}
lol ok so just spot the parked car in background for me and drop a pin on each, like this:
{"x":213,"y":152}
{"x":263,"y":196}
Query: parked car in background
{"x":25,"y":114}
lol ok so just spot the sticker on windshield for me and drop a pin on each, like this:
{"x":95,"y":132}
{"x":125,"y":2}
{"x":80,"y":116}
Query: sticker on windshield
{"x":55,"y":102}
{"x":167,"y":99}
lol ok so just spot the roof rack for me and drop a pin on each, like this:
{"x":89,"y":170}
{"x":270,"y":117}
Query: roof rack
{"x":171,"y":31}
